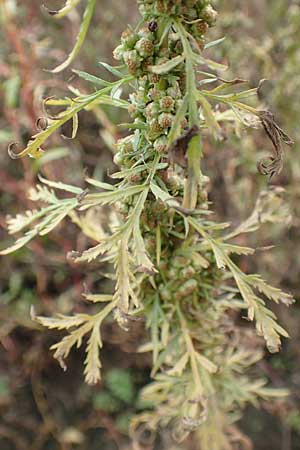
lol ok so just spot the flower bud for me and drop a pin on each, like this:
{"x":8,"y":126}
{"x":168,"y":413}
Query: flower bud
{"x":174,"y":91}
{"x":132,"y":110}
{"x":152,"y":110}
{"x":179,"y":261}
{"x":172,"y":274}
{"x":188,"y":272}
{"x":161,"y":144}
{"x":118,"y":159}
{"x":167,"y":103}
{"x":165,"y":120}
{"x":125,"y":145}
{"x":165,"y":293}
{"x":209,"y":14}
{"x":118,"y":52}
{"x":154,"y":94}
{"x":155,"y":130}
{"x":129,"y":39}
{"x":200,"y":28}
{"x":132,"y":60}
{"x":145,"y":47}
{"x":187,"y":288}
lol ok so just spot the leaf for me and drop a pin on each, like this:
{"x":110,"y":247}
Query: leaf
{"x":43,"y":194}
{"x":92,"y":361}
{"x":220,"y":258}
{"x":87,"y":17}
{"x":22,"y":221}
{"x":62,"y":186}
{"x":167,"y":66}
{"x":61,"y":322}
{"x":209,"y":116}
{"x":237,"y":249}
{"x":206,"y":363}
{"x":180,"y":366}
{"x":176,"y":126}
{"x":96,"y":298}
{"x":104,"y":198}
{"x":62,"y":12}
{"x":214,"y":43}
{"x":100,"y":184}
{"x":113,"y":70}
{"x":33,"y":148}
{"x":144,"y":264}
{"x":209,"y":63}
{"x":159,"y":193}
{"x":91,"y":78}
{"x":122,"y":292}
{"x":178,"y":151}
{"x":270,"y":292}
{"x":92,"y":253}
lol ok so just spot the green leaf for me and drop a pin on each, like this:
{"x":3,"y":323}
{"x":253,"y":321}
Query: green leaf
{"x":176,"y":126}
{"x":104,"y":198}
{"x":214,"y":43}
{"x":209,"y":63}
{"x":113,"y":70}
{"x":167,"y":66}
{"x":159,"y":193}
{"x":62,"y":186}
{"x":87,"y":17}
{"x":209,"y":116}
{"x":91,"y":78}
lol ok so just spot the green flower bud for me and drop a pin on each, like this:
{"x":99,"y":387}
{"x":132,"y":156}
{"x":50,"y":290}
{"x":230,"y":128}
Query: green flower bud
{"x":162,"y":7}
{"x":158,"y":207}
{"x":161,"y":144}
{"x":152,"y":110}
{"x":200,"y":28}
{"x":188,"y":272}
{"x":118,"y":53}
{"x":155,"y":130}
{"x":187,"y":288}
{"x":144,"y":32}
{"x":145,"y":47}
{"x":165,"y":120}
{"x":165,"y":294}
{"x":154,"y":94}
{"x":118,"y":159}
{"x":125,"y":145}
{"x":174,"y":91}
{"x":175,"y":183}
{"x":179,"y":262}
{"x":129,"y":39}
{"x":132,"y":111}
{"x":167,"y":103}
{"x":172,"y":274}
{"x":209,"y":14}
{"x":132,"y":60}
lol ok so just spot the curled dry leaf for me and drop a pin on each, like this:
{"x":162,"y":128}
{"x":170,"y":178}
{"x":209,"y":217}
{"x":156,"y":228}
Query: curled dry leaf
{"x":178,"y":150}
{"x":273,"y":164}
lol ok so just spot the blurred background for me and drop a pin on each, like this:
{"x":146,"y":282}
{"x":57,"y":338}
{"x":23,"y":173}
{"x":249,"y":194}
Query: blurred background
{"x":42,"y":407}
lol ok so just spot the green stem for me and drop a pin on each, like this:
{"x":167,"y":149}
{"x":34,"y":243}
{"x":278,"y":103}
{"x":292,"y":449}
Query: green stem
{"x":194,"y":153}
